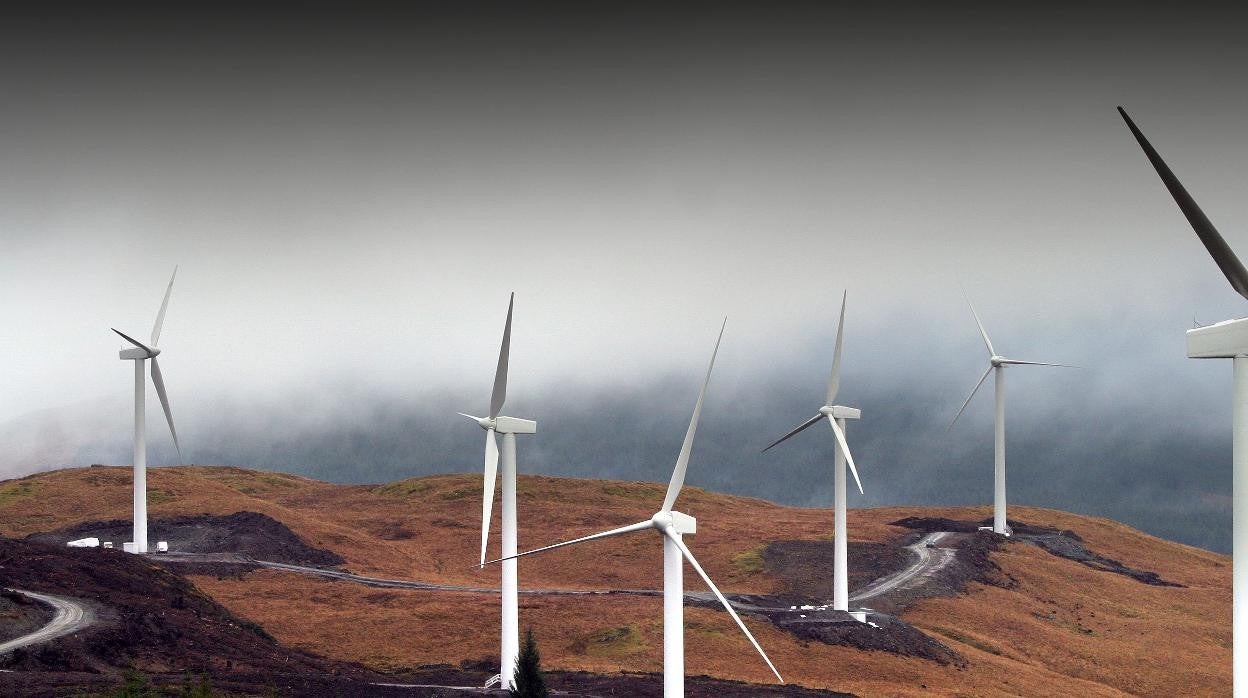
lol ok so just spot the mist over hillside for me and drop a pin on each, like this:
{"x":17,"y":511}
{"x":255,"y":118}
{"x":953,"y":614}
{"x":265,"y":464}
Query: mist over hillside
{"x":1092,"y":441}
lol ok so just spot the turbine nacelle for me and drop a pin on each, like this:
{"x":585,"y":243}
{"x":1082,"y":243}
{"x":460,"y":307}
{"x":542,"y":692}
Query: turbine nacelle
{"x":505,"y":425}
{"x":675,"y":521}
{"x":840,"y":412}
{"x":998,"y":361}
{"x":137,"y":354}
{"x":1224,"y":340}
{"x":138,"y":350}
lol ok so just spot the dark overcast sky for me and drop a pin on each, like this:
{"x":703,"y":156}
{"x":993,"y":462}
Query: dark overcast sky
{"x":352,"y":192}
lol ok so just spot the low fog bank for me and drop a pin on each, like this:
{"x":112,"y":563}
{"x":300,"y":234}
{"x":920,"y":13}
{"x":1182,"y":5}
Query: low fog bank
{"x":1101,"y":440}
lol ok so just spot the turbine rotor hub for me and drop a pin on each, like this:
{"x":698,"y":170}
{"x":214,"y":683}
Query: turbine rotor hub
{"x":675,"y":521}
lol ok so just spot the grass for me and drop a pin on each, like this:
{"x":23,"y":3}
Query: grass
{"x":16,"y":492}
{"x":278,"y":480}
{"x":973,"y":642}
{"x":619,"y":641}
{"x":160,"y":496}
{"x":701,"y":629}
{"x":257,"y":483}
{"x":749,"y":562}
{"x":403,"y":488}
{"x":630,"y":490}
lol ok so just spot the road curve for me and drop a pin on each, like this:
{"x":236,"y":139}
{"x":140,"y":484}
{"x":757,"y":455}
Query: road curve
{"x":71,"y":616}
{"x":931,"y":559}
{"x":928,"y":561}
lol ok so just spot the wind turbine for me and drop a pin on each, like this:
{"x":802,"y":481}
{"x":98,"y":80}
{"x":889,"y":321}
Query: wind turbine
{"x":672,"y":526}
{"x":996,"y":366}
{"x":139,"y":354}
{"x":1223,"y":340}
{"x":507,"y":426}
{"x":836,"y":416}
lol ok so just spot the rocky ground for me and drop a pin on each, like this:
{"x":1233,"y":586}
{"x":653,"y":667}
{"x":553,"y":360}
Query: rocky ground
{"x":20,"y":615}
{"x":1062,"y":543}
{"x":805,"y":566}
{"x":245,"y":534}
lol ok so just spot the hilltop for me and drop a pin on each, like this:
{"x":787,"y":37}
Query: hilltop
{"x":1028,"y":621}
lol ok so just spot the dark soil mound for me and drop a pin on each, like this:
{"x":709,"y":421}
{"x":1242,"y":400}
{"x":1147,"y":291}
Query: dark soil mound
{"x":651,"y":686}
{"x":885,"y":633}
{"x":1069,"y":545}
{"x":805,"y":570}
{"x":20,"y":615}
{"x":244,"y":533}
{"x":428,"y":681}
{"x":805,"y":566}
{"x":1066,"y":544}
{"x":975,"y":558}
{"x":578,"y":684}
{"x":146,"y":616}
{"x":933,"y":524}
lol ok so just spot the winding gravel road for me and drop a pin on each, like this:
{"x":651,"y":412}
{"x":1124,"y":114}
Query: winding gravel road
{"x":931,"y":560}
{"x":429,"y":586}
{"x":71,"y":616}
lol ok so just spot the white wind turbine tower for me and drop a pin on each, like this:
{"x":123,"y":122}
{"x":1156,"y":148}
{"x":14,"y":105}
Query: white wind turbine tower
{"x":996,"y":366}
{"x":836,"y":416}
{"x":1224,"y":340}
{"x":508,"y":427}
{"x":672,"y":526}
{"x":139,"y":354}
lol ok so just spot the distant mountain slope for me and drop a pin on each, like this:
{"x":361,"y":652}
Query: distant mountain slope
{"x":1056,"y":628}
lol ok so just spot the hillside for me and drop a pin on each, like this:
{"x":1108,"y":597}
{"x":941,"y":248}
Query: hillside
{"x":1049,"y":626}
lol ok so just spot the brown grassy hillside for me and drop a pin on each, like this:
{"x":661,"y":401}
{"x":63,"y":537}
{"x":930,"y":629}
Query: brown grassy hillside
{"x":1063,"y":629}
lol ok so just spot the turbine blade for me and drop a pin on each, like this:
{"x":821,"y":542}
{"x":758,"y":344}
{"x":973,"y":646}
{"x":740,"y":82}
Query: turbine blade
{"x":968,"y":397}
{"x":1016,"y":362}
{"x":640,"y":525}
{"x":800,"y":427}
{"x":834,"y":380}
{"x":487,"y":497}
{"x":727,"y":606}
{"x":849,"y":458}
{"x":983,"y":333}
{"x":500,"y":373}
{"x":158,"y":380}
{"x":682,"y":461}
{"x":160,"y":316}
{"x":136,"y":343}
{"x":1221,"y":252}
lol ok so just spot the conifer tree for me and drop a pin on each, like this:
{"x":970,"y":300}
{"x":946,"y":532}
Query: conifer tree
{"x":528,"y":677}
